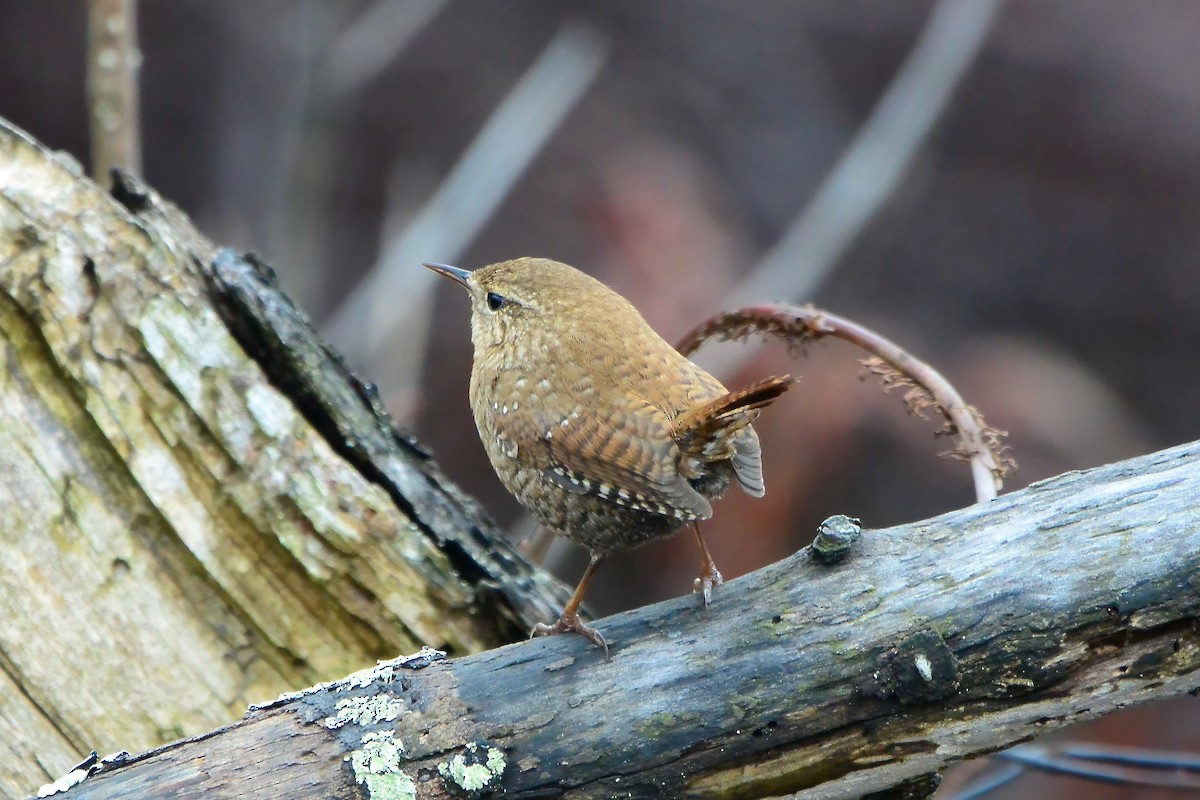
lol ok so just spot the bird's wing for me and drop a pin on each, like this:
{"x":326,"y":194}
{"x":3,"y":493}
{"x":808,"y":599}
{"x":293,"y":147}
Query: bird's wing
{"x":625,"y":454}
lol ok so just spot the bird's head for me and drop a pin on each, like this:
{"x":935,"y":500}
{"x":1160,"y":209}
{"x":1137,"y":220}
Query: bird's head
{"x":512,"y":300}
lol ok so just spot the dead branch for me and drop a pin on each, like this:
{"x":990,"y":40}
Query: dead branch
{"x":934,"y":641}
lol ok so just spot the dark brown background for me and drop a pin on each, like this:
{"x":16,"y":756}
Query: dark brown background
{"x":1041,"y":249}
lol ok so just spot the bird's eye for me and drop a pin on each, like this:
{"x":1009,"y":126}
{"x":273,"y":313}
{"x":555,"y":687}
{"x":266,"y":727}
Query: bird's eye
{"x":495,"y":301}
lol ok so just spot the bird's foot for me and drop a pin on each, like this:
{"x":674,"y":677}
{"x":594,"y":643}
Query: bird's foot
{"x":709,"y":579}
{"x":570,"y":623}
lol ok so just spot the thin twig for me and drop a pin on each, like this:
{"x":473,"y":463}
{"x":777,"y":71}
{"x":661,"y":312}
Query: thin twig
{"x":877,"y":157}
{"x":373,"y":41}
{"x":928,"y":389}
{"x":112,"y":87}
{"x":391,"y":303}
{"x":872,"y":166}
{"x":1132,"y":756}
{"x":1048,"y":760}
{"x":1137,"y":767}
{"x":329,"y":80}
{"x":990,"y":782}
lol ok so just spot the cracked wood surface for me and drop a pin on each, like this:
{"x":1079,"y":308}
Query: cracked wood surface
{"x":183,"y":534}
{"x":933,"y":641}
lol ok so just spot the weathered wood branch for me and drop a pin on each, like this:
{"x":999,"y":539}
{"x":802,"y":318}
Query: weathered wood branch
{"x":934,"y":641}
{"x":197,"y":517}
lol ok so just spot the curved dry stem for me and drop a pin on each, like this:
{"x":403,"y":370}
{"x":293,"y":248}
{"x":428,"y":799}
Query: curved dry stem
{"x":977,"y":443}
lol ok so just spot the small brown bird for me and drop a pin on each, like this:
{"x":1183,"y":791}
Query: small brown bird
{"x":601,"y":429}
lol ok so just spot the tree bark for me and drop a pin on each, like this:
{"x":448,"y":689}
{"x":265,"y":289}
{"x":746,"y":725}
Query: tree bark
{"x":934,"y":641}
{"x":202,"y":507}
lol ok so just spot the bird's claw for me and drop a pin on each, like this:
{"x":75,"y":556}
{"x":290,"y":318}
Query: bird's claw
{"x":709,"y":579}
{"x":571,"y":624}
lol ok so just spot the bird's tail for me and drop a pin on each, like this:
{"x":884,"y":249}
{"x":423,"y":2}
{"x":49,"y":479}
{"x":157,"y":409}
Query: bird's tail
{"x":730,"y":412}
{"x":707,"y":433}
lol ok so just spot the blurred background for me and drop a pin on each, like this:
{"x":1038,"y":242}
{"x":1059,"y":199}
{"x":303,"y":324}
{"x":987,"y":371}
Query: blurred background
{"x":1009,"y":189}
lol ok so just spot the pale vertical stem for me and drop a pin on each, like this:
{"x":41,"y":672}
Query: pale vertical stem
{"x":112,"y":86}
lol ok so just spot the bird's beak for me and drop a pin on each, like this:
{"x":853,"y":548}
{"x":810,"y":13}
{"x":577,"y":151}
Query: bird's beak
{"x":453,"y":273}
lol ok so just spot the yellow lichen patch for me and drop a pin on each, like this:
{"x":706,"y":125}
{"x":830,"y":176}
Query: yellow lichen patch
{"x":477,"y":768}
{"x":376,"y":765}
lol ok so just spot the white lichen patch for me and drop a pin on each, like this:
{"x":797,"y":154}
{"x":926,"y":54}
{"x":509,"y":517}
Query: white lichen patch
{"x":271,"y":410}
{"x":383,"y":673}
{"x":61,"y":275}
{"x":477,"y":768}
{"x":924,"y":668}
{"x":162,"y":479}
{"x":383,"y":707}
{"x":376,"y":765}
{"x":186,"y":343}
{"x":317,"y":498}
{"x":73,"y":778}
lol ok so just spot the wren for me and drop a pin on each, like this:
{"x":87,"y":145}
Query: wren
{"x":601,"y":429}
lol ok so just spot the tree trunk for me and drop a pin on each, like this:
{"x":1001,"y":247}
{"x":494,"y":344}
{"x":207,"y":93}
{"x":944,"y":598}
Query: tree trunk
{"x":202,"y":507}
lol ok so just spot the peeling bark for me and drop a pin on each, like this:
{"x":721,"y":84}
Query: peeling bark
{"x":932,"y":642}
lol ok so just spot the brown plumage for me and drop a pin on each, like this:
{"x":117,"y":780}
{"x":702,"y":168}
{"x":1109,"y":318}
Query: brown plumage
{"x":600,"y":428}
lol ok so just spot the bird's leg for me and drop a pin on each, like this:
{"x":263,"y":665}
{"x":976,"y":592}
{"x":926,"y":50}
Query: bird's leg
{"x":709,"y":576}
{"x":569,"y":621}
